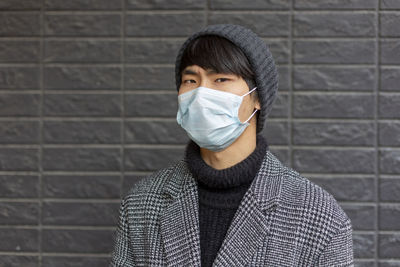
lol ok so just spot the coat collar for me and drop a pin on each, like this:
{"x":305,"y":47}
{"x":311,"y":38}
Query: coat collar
{"x":250,"y":225}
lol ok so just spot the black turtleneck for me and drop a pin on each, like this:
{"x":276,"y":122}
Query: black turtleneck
{"x":220,"y":193}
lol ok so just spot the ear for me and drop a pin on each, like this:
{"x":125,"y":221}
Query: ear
{"x":257,"y":104}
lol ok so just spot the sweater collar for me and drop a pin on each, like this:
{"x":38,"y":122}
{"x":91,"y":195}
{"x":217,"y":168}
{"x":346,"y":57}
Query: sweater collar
{"x":236,"y":175}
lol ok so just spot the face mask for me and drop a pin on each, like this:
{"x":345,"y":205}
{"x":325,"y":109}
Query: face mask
{"x":211,"y":117}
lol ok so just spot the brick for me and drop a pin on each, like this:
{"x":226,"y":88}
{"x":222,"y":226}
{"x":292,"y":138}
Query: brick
{"x":154,"y":132}
{"x":19,"y":213}
{"x":82,"y":5}
{"x":77,"y":241}
{"x":19,"y":105}
{"x":276,"y":132}
{"x":71,"y":78}
{"x":68,"y":261}
{"x":87,"y":214}
{"x":362,"y":216}
{"x":363,"y":245}
{"x":82,"y":51}
{"x":334,"y":4}
{"x":332,"y":51}
{"x":389,"y":189}
{"x":390,"y":51}
{"x":84,"y":159}
{"x":279,"y":50}
{"x":348,"y":189}
{"x":390,"y":79}
{"x":19,"y":132}
{"x":17,"y":261}
{"x":389,"y":263}
{"x":364,"y":263}
{"x":82,"y":132}
{"x":389,"y":106}
{"x":334,"y":78}
{"x":284,"y":78}
{"x":259,"y":23}
{"x":19,"y":24}
{"x":69,"y":105}
{"x":19,"y":186}
{"x":150,"y":78}
{"x":155,"y":24}
{"x":389,"y":216}
{"x":390,"y":4}
{"x":81,"y":186}
{"x":19,"y":240}
{"x":145,"y":105}
{"x":19,"y":51}
{"x":389,"y":245}
{"x":78,"y":25}
{"x":333,"y":133}
{"x":389,"y":161}
{"x":172,"y":4}
{"x":389,"y":23}
{"x":19,"y":78}
{"x":314,"y":105}
{"x":152,"y":159}
{"x":19,"y":159}
{"x":389,"y":133}
{"x":253,"y":5}
{"x":340,"y":24}
{"x":20,"y":5}
{"x":334,"y":161}
{"x":152,"y":51}
{"x":280,"y":108}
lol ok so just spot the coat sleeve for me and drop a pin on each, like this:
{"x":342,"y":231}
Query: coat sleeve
{"x":339,"y":251}
{"x":122,"y":255}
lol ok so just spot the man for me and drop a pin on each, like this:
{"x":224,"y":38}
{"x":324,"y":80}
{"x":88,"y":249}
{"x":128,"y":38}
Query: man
{"x":230,"y":201}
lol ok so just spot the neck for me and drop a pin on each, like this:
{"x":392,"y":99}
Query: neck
{"x":243,"y":146}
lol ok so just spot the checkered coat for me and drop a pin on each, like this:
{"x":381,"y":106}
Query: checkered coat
{"x":282,"y":220}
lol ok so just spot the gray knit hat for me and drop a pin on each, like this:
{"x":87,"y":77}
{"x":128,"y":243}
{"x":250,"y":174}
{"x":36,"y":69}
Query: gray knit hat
{"x":259,"y":56}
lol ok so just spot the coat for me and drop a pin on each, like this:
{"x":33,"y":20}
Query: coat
{"x":283,"y":220}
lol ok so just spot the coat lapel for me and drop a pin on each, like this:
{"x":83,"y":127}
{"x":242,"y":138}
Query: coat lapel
{"x":179,"y":221}
{"x":248,"y":230}
{"x":251,"y":224}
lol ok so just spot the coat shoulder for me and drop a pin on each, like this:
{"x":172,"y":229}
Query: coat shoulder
{"x":152,"y":186}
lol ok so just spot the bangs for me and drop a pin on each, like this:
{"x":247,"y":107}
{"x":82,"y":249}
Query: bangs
{"x":217,"y":53}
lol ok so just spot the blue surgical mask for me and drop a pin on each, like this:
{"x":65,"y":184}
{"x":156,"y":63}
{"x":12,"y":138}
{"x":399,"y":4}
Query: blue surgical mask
{"x":211,"y":117}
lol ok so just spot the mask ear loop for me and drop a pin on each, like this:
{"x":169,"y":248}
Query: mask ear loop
{"x":251,"y":116}
{"x":249,"y":92}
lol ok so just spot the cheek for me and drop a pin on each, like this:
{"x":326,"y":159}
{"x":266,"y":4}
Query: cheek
{"x":245,"y":110}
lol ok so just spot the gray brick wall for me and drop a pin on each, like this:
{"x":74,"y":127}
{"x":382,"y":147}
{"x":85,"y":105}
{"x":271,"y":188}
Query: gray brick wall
{"x":87,"y":107}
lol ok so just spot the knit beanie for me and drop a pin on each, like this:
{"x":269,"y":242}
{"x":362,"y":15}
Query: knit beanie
{"x":259,"y":56}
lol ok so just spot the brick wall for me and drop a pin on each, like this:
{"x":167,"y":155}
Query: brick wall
{"x":87,"y":107}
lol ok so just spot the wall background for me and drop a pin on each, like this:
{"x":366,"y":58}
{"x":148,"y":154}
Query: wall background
{"x":87,"y":107}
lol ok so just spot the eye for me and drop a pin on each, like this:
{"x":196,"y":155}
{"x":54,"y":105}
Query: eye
{"x":222,"y":79}
{"x":188,"y":81}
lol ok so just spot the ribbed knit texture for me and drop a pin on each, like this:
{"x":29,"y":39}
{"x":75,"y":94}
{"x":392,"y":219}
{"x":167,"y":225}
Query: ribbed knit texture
{"x":220,"y":193}
{"x":260,"y":58}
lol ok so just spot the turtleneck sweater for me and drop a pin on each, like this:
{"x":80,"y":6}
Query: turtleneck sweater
{"x":220,"y":193}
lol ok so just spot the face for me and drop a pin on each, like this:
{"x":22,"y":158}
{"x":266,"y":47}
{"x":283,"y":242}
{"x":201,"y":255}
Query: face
{"x":195,"y":76}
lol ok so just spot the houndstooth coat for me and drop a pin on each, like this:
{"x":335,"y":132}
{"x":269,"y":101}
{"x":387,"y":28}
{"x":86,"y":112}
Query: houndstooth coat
{"x":282,"y":220}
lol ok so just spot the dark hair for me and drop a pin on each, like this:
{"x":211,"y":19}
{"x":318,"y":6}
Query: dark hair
{"x":220,"y":54}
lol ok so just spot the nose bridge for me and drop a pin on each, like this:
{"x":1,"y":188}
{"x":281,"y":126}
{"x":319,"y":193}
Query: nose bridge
{"x":204,"y":81}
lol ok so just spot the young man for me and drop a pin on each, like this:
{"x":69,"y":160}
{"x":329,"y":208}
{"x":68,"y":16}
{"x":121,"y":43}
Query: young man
{"x":230,"y":201}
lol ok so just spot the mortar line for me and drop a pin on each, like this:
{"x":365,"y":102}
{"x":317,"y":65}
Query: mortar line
{"x":40,"y":156}
{"x":122,"y":128}
{"x":376,"y":118}
{"x":290,"y":92}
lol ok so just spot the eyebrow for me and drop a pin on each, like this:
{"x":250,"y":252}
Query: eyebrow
{"x":189,"y":71}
